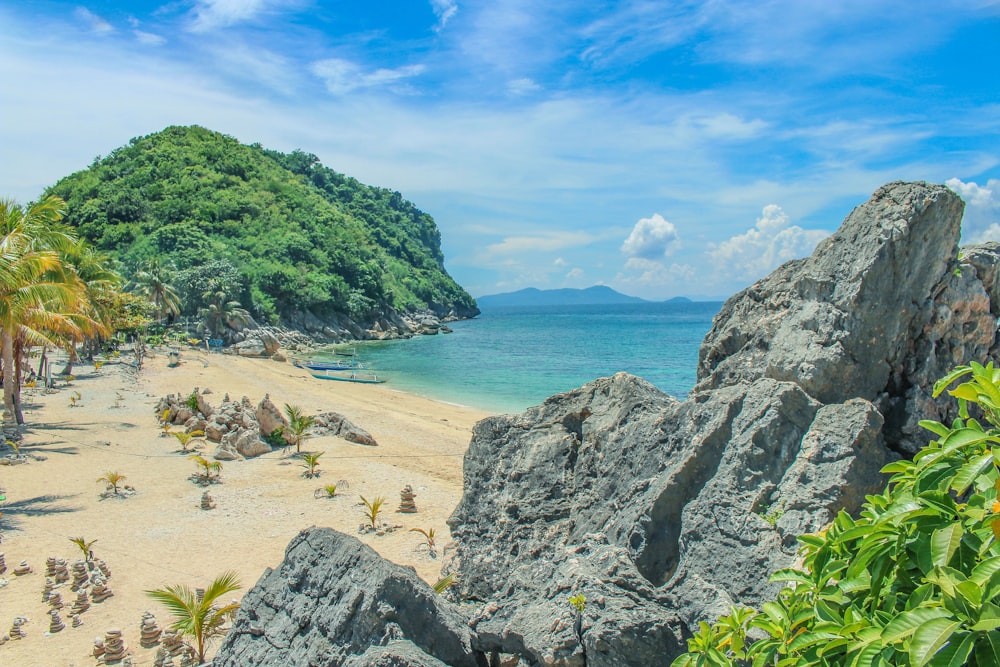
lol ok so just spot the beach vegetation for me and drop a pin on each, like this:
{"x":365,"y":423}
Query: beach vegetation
{"x":310,"y":461}
{"x":372,"y":510}
{"x":205,"y":469}
{"x":298,"y":236}
{"x":186,"y":438}
{"x":192,"y":401}
{"x":579,"y":602}
{"x":201,"y":619}
{"x":112,"y":479}
{"x":444,"y":583}
{"x":298,"y":425}
{"x":275,"y":438}
{"x":913,"y":580}
{"x":84,"y":545}
{"x":428,"y":538}
{"x":331,"y":490}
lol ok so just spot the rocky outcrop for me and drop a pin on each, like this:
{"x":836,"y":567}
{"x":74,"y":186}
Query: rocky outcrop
{"x":334,"y":423}
{"x":334,"y":601}
{"x":664,"y":513}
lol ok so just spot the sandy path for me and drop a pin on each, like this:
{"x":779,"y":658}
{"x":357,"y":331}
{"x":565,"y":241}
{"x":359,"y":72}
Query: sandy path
{"x":160,"y":536}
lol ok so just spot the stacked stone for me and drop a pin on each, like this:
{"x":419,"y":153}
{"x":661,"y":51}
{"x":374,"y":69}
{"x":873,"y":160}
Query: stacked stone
{"x":100,"y":591}
{"x":3,"y":564}
{"x":80,"y":575}
{"x":23,"y":568}
{"x":15,"y":629}
{"x":188,"y":659}
{"x":149,"y":631}
{"x":55,"y":623}
{"x":55,"y":600}
{"x":61,"y":571}
{"x":172,"y":646}
{"x":406,"y":500}
{"x":77,"y":621}
{"x":162,"y":658}
{"x":47,"y":588}
{"x":82,"y":602}
{"x":98,"y":647}
{"x":50,"y":566}
{"x":114,"y":646}
{"x":207,"y":503}
{"x":105,"y":570}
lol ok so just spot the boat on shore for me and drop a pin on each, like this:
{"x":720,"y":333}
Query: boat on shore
{"x":349,"y":375}
{"x":331,"y":364}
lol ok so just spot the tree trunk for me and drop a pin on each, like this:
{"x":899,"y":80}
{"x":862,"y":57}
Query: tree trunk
{"x":18,"y":375}
{"x":7,"y":354}
{"x":71,"y":357}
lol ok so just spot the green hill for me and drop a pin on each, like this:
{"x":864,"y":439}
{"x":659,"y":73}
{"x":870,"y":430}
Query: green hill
{"x":302,"y":242}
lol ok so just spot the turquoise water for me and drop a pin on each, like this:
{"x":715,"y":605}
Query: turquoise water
{"x":508,"y":359}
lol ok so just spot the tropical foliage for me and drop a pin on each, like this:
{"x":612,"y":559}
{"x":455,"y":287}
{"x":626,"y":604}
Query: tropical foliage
{"x":914,"y":580}
{"x":298,"y":424}
{"x":202,"y":619}
{"x":305,"y":238}
{"x":372,"y":510}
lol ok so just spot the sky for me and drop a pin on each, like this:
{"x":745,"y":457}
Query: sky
{"x":662,"y":148}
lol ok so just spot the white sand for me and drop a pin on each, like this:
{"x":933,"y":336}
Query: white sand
{"x":160,"y":536}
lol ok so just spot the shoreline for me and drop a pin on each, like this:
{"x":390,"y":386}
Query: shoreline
{"x":160,"y":536}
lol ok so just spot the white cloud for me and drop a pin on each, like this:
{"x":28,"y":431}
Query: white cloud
{"x":982,"y":209}
{"x":771,"y":242}
{"x":522,"y":86}
{"x":149,"y":38}
{"x":559,"y":261}
{"x":93,"y":22}
{"x":547,"y":241}
{"x":212,"y":14}
{"x":575,"y":274}
{"x":647,"y":272}
{"x":343,"y":76}
{"x":444,"y":10}
{"x":651,"y":238}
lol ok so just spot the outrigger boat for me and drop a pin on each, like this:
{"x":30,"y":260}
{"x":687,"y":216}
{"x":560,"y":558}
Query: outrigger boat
{"x":334,"y":365}
{"x":352,"y":375}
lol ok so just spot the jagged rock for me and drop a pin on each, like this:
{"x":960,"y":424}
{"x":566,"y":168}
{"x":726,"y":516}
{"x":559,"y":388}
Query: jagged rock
{"x":250,"y":348}
{"x":226,"y":453}
{"x":665,"y":513}
{"x":332,"y":598}
{"x":246,"y":442}
{"x":269,"y":416}
{"x":334,"y":423}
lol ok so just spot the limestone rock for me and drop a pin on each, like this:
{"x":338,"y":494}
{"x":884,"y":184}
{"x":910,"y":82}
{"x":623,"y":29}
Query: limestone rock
{"x":250,"y":348}
{"x":334,"y":423}
{"x":331,"y":599}
{"x":269,"y":416}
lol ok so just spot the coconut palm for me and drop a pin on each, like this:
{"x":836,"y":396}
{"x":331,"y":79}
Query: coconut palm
{"x":372,"y":509}
{"x":298,"y":424}
{"x":112,"y":478}
{"x":310,"y":461}
{"x":200,"y":619}
{"x":152,"y":281}
{"x":206,"y":468}
{"x":84,"y":545}
{"x":185,"y":438}
{"x":222,"y":313}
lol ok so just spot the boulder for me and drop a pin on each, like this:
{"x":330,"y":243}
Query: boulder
{"x":334,"y":423}
{"x":269,"y":417}
{"x":215,"y":430}
{"x":226,"y":453}
{"x":246,"y":442}
{"x":250,"y":348}
{"x":334,"y":601}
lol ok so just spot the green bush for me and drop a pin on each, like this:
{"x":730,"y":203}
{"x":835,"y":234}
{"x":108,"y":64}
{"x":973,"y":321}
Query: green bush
{"x":914,"y":580}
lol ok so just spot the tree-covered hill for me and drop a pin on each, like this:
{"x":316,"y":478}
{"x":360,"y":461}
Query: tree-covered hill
{"x":295,"y":238}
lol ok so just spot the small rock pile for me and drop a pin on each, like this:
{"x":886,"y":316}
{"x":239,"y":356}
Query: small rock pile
{"x":238,"y":426}
{"x":407,"y":504}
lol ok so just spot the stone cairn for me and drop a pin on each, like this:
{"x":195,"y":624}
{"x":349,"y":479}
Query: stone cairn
{"x":55,"y":624}
{"x":98,"y":647}
{"x":50,"y":583}
{"x":406,"y":500}
{"x":15,"y":629}
{"x":22,"y":569}
{"x":50,"y":567}
{"x":207,"y":503}
{"x":77,"y":621}
{"x":100,"y":591}
{"x":114,"y":646}
{"x":80,"y":575}
{"x":149,"y":631}
{"x":3,"y":564}
{"x":61,"y":571}
{"x":55,"y":600}
{"x":82,"y":602}
{"x":172,"y":646}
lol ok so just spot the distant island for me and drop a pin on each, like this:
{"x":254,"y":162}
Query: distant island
{"x":592,"y":296}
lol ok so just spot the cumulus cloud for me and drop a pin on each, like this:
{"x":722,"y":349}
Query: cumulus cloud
{"x":651,"y":238}
{"x":92,"y":21}
{"x":982,"y":209}
{"x":212,"y":14}
{"x":444,"y":10}
{"x":640,"y":271}
{"x":575,"y":274}
{"x":546,"y":241}
{"x":523,"y":86}
{"x":343,"y":76}
{"x":771,"y":242}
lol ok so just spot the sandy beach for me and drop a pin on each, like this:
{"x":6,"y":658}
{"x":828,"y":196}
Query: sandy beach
{"x":160,"y":536}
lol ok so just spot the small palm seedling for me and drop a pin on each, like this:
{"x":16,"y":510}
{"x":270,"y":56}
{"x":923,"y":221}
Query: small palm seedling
{"x":205,"y":469}
{"x":198,"y":616}
{"x":165,"y":419}
{"x":298,"y":424}
{"x":16,"y":446}
{"x":185,"y":438}
{"x":84,"y":546}
{"x":428,"y":538}
{"x":372,"y":509}
{"x":97,"y":365}
{"x":112,"y":479}
{"x":444,"y":583}
{"x":74,"y":399}
{"x":331,"y":490}
{"x":310,"y":461}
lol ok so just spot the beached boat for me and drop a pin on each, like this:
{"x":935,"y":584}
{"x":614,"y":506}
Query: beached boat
{"x":327,"y":365}
{"x":351,"y":375}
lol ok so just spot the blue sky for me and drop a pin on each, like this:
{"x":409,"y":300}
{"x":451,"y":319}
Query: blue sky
{"x":661,"y":148}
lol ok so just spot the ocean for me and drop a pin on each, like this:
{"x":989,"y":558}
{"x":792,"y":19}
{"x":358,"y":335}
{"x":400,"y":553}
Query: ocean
{"x":508,"y":359}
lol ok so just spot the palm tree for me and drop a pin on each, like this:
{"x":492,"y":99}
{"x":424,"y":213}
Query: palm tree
{"x":310,"y":462}
{"x":185,"y":438}
{"x":152,"y":281}
{"x":206,"y":468}
{"x":372,"y":509}
{"x":112,"y":478}
{"x":33,"y":278}
{"x":222,"y":313}
{"x":298,"y":424}
{"x":84,"y":545}
{"x":200,"y":619}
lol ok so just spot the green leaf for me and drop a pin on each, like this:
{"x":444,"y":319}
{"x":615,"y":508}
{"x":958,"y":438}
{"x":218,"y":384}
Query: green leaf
{"x":929,"y":638}
{"x":988,"y":648}
{"x":944,"y":542}
{"x":968,"y":473}
{"x":907,"y":622}
{"x":956,"y":652}
{"x":934,"y":427}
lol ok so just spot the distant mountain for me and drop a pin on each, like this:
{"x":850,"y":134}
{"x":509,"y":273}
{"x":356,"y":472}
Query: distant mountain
{"x":531,"y":296}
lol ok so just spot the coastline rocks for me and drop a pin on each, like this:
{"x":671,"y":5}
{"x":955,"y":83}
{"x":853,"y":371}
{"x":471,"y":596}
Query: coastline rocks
{"x":665,"y":513}
{"x":333,"y":423}
{"x":331,"y":600}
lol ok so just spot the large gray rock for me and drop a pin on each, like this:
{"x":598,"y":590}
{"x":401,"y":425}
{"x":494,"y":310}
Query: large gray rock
{"x":269,"y":417}
{"x":334,"y":423}
{"x":332,"y":600}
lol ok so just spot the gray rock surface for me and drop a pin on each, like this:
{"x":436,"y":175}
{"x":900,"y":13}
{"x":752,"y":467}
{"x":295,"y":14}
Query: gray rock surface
{"x":332,"y":600}
{"x":334,"y":423}
{"x":665,"y":513}
{"x":269,"y":417}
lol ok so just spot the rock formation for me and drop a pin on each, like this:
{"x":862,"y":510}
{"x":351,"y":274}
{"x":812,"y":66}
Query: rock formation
{"x":333,"y":423}
{"x":664,"y":513}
